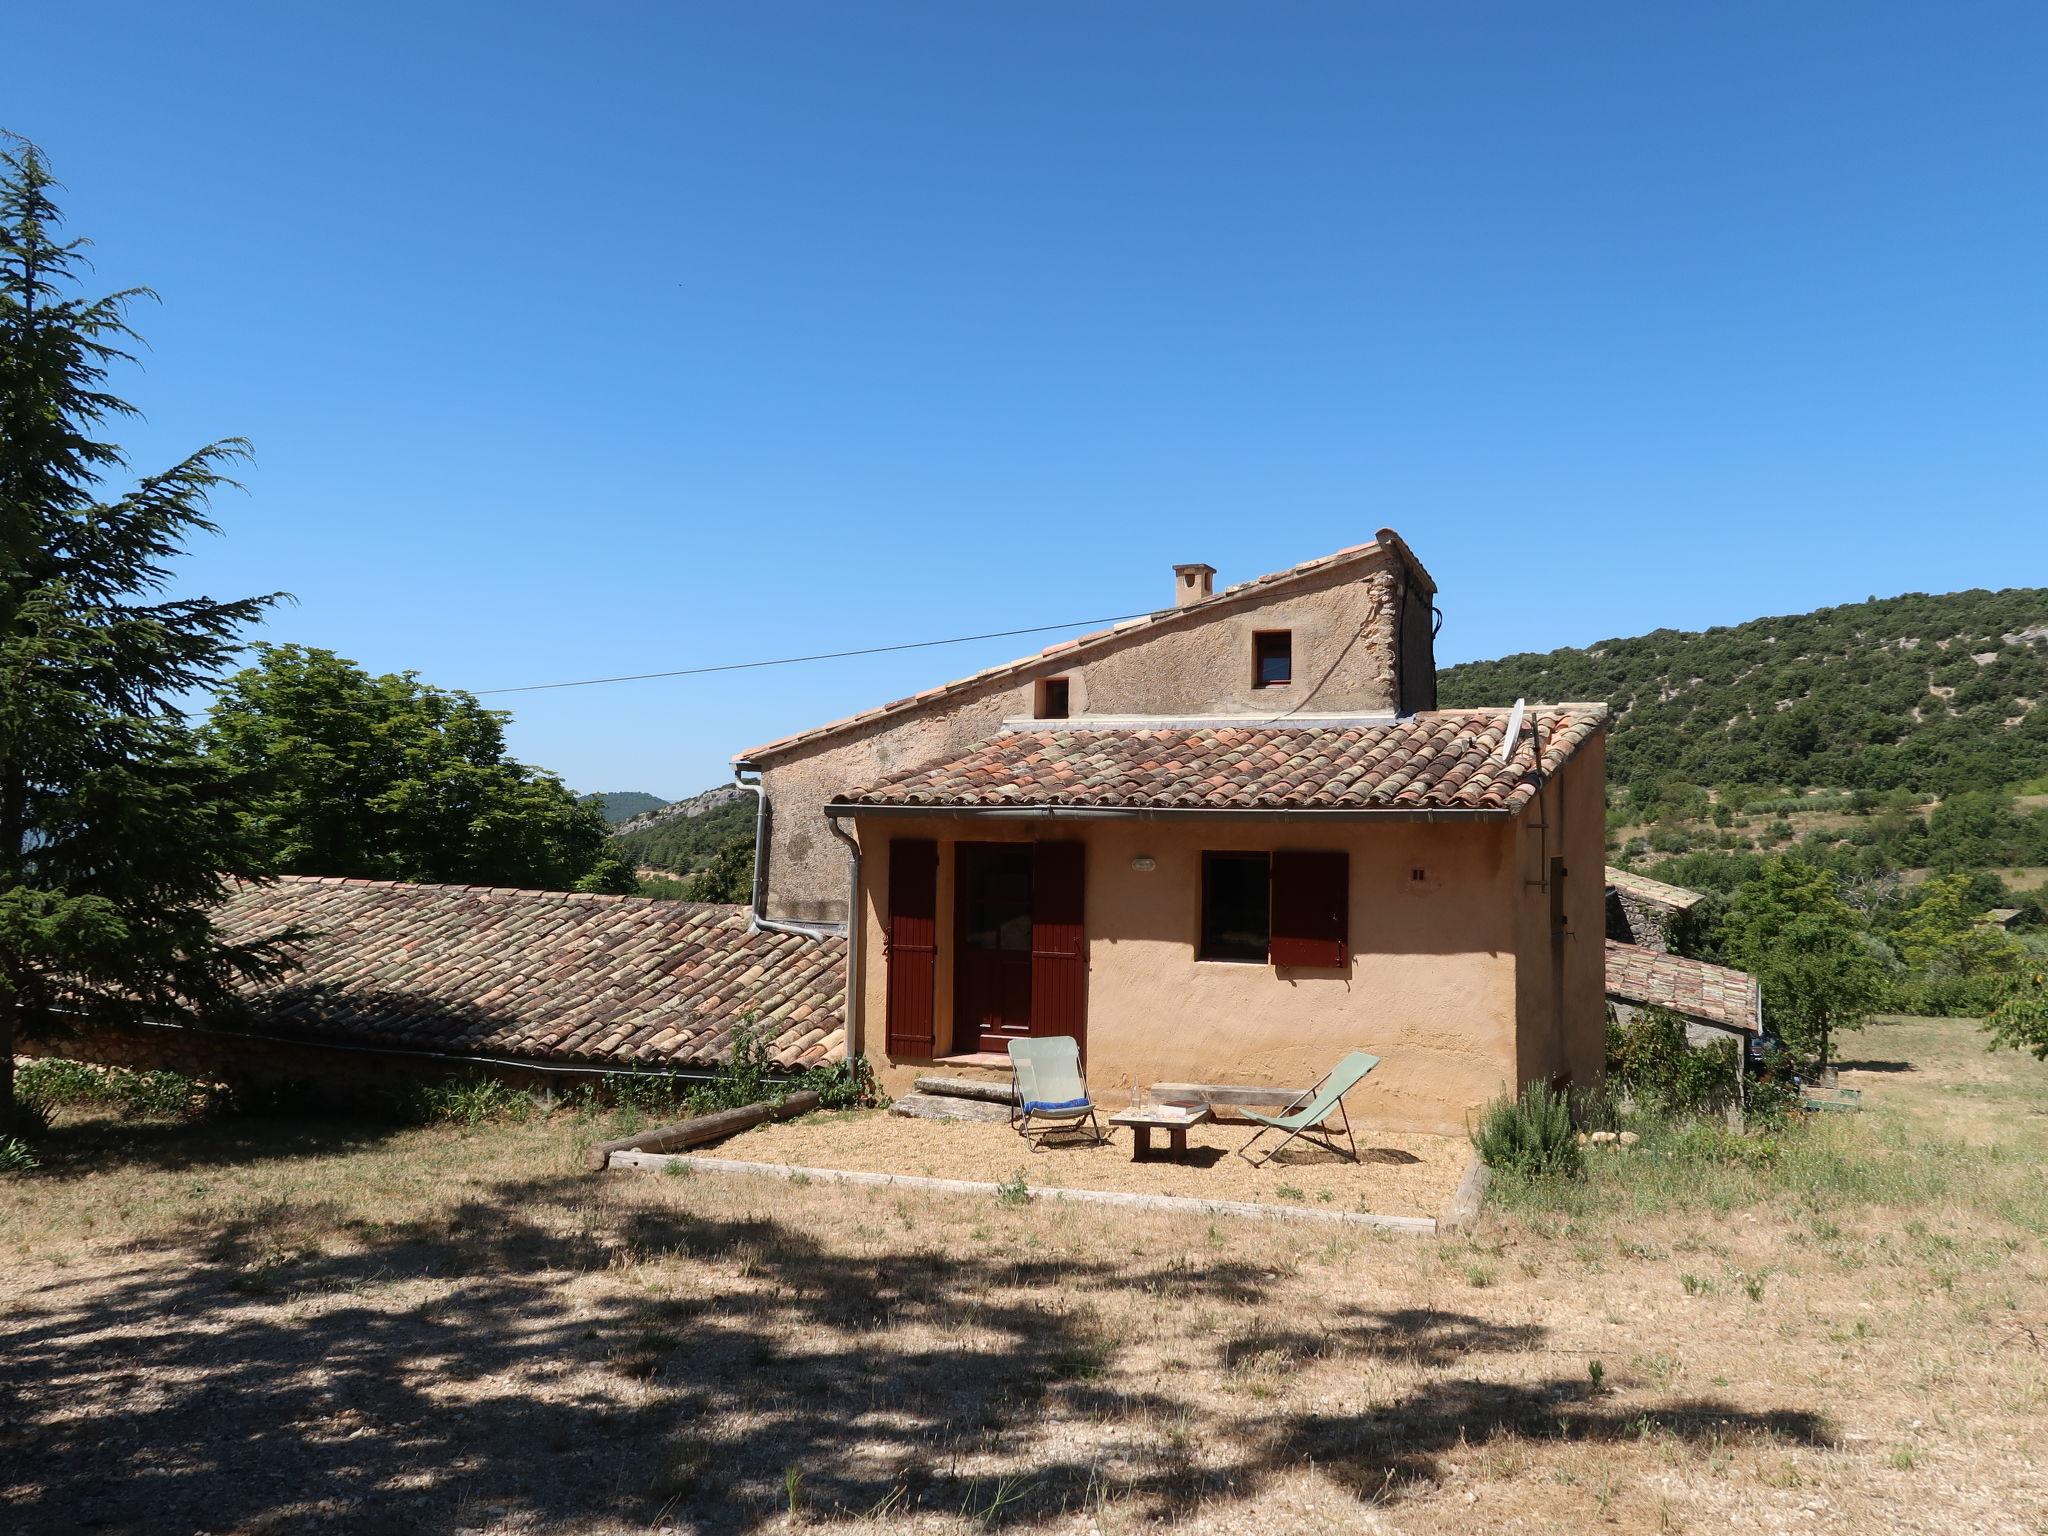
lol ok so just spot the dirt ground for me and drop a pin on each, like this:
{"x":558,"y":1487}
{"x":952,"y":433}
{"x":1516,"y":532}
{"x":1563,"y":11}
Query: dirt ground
{"x":1398,"y":1173}
{"x":252,"y":1327}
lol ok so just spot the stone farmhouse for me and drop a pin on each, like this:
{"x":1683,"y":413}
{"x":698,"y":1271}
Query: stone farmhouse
{"x":1225,"y":842}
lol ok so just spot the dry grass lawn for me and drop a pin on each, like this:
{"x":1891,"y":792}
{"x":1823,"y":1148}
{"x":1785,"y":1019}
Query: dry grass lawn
{"x":246,"y":1327}
{"x":1398,"y":1173}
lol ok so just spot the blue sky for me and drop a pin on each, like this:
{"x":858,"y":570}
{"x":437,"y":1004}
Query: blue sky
{"x":584,"y":340}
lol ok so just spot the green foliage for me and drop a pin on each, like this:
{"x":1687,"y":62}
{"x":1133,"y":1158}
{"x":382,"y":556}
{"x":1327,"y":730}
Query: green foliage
{"x":1531,"y":1136}
{"x":1014,"y":1190}
{"x":2019,"y":1022}
{"x":845,"y":1084}
{"x":1841,"y":696}
{"x":1955,"y":963}
{"x":1819,"y":971}
{"x":731,"y":875}
{"x":746,"y":1076}
{"x":16,"y":1156}
{"x":387,"y":778}
{"x":664,"y":888}
{"x":619,"y":805}
{"x":117,"y":837}
{"x":470,"y":1099}
{"x":685,"y":843}
{"x":55,"y":1082}
{"x":1650,"y":1060}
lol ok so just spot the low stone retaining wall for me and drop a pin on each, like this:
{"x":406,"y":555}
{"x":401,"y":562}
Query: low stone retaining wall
{"x":656,"y":1162}
{"x":348,"y":1072}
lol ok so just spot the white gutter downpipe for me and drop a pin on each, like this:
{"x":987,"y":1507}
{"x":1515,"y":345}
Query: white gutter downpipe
{"x":758,"y":920}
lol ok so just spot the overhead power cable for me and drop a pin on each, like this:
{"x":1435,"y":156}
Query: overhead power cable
{"x":791,"y":661}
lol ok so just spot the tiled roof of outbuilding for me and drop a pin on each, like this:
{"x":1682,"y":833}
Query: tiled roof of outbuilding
{"x":1675,"y":897}
{"x":1694,"y":988}
{"x":604,"y":981}
{"x":1067,"y":652}
{"x":1438,"y":761}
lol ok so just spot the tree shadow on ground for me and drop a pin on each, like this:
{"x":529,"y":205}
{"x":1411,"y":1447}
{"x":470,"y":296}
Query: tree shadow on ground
{"x":92,"y":1139}
{"x":542,"y":1357}
{"x":1875,"y":1066}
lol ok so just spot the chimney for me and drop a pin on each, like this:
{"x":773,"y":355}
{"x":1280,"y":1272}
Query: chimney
{"x":1192,"y":583}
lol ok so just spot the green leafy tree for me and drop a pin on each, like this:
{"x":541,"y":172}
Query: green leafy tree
{"x":388,"y":778}
{"x":117,"y":837}
{"x":1956,"y":963}
{"x":2020,"y":1021}
{"x":731,"y":875}
{"x":1790,"y":929}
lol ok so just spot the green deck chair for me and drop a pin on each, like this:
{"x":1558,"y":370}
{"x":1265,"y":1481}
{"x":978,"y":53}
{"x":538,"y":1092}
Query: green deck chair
{"x":1046,"y":1086}
{"x":1315,"y":1107}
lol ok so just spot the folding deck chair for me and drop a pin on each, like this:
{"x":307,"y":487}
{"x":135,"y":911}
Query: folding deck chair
{"x":1316,"y":1104}
{"x":1046,"y":1085}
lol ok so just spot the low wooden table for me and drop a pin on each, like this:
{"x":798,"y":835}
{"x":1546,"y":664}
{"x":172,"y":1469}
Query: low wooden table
{"x":1174,"y":1119}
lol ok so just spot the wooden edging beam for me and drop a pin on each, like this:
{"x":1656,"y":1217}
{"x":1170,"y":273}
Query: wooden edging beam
{"x":1466,"y":1203}
{"x":655,"y":1162}
{"x":699,"y":1129}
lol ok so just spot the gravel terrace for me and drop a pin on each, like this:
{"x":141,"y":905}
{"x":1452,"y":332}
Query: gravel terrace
{"x":1398,"y":1174}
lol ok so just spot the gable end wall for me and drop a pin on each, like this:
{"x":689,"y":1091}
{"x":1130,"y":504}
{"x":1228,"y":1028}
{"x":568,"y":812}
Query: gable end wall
{"x":1347,"y":625}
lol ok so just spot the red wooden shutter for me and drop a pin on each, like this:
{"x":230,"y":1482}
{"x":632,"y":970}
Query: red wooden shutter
{"x":912,"y":945}
{"x":1059,"y":944}
{"x":1311,"y":909}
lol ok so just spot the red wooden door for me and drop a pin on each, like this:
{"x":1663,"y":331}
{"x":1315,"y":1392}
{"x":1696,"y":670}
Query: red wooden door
{"x":911,"y":948}
{"x":1059,"y":941}
{"x":992,"y":943}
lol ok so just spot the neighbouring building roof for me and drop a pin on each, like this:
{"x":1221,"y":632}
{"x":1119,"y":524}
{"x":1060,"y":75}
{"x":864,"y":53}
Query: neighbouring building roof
{"x":1675,"y":897}
{"x":1081,"y":646}
{"x":1694,"y":988}
{"x":551,"y":976}
{"x":1440,"y":761}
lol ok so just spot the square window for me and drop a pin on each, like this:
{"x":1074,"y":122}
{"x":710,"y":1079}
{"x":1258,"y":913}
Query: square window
{"x":1272,"y":658}
{"x":1052,"y":699}
{"x":1236,"y":906}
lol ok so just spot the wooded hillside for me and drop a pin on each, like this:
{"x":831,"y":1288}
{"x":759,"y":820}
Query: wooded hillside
{"x":1936,"y":694}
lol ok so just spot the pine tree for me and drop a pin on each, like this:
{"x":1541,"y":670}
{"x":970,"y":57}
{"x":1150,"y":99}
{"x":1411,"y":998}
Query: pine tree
{"x":117,"y":837}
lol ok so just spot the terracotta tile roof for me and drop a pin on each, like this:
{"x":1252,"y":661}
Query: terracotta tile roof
{"x":1437,"y":761}
{"x":613,"y":981}
{"x":1068,"y":651}
{"x":1675,"y":897}
{"x":1691,"y":987}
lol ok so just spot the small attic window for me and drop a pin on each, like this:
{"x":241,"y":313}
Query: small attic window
{"x":1272,"y":658}
{"x":1052,"y":698}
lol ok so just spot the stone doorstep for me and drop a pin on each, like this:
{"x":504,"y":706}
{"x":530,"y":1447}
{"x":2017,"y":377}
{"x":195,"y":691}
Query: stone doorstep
{"x":933,"y":1106}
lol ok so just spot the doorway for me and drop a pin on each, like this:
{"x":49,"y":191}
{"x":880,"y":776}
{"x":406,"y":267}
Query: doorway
{"x":992,"y":970}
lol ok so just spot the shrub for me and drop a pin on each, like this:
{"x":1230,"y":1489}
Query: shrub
{"x":16,"y":1156}
{"x":847,"y":1084}
{"x":471,"y":1100}
{"x":1650,"y":1060}
{"x":1531,"y":1135}
{"x":746,"y":1076}
{"x":54,"y":1082}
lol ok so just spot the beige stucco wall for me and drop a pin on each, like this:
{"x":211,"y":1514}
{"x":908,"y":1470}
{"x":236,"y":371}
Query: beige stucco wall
{"x":1431,"y":988}
{"x":1344,"y":622}
{"x":1561,"y":1007}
